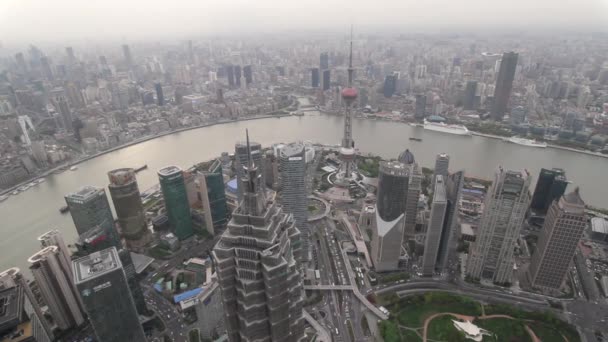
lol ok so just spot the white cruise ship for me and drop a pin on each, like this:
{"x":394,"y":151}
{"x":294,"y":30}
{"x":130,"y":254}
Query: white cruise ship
{"x":526,"y":142}
{"x":445,"y":128}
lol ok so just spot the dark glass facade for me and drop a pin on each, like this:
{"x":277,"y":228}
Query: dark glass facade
{"x":551,"y":185}
{"x":90,"y":208}
{"x":176,"y":201}
{"x":392,"y":190}
{"x":504,"y":84}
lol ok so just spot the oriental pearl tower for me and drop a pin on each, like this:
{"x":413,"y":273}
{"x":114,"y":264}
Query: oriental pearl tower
{"x":347,"y":151}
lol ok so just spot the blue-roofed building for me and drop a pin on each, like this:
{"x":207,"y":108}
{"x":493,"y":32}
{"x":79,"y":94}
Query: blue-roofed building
{"x":187,"y":295}
{"x":232,"y":186}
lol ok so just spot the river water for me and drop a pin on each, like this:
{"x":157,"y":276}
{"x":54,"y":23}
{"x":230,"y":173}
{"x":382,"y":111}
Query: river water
{"x":27,"y":215}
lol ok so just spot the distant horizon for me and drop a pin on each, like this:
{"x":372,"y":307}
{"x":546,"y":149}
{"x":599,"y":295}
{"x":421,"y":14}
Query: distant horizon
{"x":66,"y":21}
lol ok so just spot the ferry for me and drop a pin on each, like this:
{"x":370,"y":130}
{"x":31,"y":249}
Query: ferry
{"x":16,"y":192}
{"x":446,"y":128}
{"x":41,"y":180}
{"x":74,"y":168}
{"x":416,"y":139}
{"x":64,"y":209}
{"x":526,"y":142}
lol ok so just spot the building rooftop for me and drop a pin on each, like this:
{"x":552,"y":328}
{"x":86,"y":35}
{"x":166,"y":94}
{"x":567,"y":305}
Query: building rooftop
{"x":10,"y":306}
{"x":169,"y":170}
{"x":292,"y":150}
{"x":599,"y":225}
{"x":85,"y":193}
{"x":95,"y":265}
{"x":41,"y":254}
{"x":406,"y":157}
{"x":439,"y":193}
{"x":122,"y":176}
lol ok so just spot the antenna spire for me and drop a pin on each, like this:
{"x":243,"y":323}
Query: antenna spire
{"x":249,"y":160}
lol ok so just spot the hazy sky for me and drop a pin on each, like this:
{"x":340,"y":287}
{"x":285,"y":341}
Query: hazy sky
{"x":25,"y":21}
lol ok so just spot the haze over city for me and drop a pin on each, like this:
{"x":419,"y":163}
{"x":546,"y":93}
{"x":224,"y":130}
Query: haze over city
{"x":36,"y":21}
{"x":303,"y":171}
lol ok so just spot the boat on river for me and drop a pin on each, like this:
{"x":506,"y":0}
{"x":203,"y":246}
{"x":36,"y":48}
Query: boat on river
{"x":526,"y":142}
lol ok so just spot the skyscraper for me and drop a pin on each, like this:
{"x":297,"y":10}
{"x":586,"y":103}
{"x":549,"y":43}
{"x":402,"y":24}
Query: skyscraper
{"x":324,"y":61}
{"x":126,"y":51}
{"x":54,"y":238}
{"x":420,"y":109}
{"x":491,"y":256}
{"x":129,"y":207}
{"x":248,"y":74}
{"x":241,"y":156}
{"x":453,"y":188}
{"x":388,"y":225}
{"x":19,"y":297}
{"x":237,"y":75}
{"x":230,"y":75}
{"x":347,"y":150}
{"x":294,"y":198}
{"x":435,"y":227}
{"x":102,"y":284}
{"x":504,"y":84}
{"x":56,"y":287}
{"x":326,"y":80}
{"x":257,"y":265}
{"x":468,"y":101}
{"x":442,"y":163}
{"x":314,"y":76}
{"x":210,"y":183}
{"x":564,"y":226}
{"x":176,"y":201}
{"x":411,"y":204}
{"x":90,"y":208}
{"x":390,"y":85}
{"x":551,"y":185}
{"x":160,"y":98}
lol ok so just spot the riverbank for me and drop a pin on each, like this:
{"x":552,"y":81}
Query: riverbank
{"x":131,"y":143}
{"x":590,"y":153}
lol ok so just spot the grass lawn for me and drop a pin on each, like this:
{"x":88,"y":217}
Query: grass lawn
{"x":442,"y":328}
{"x":389,"y":331}
{"x":545,"y":333}
{"x":414,"y":313}
{"x":505,"y":330}
{"x":410,"y":336}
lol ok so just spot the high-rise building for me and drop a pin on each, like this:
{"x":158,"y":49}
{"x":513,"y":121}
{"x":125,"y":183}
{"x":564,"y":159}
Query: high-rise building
{"x":551,"y":185}
{"x":230,"y":75}
{"x":126,"y":51}
{"x":294,"y":198}
{"x":210,"y":183}
{"x":435,"y":227}
{"x":491,"y":256}
{"x":56,"y":287}
{"x":411,"y":205}
{"x":248,"y":74}
{"x":468,"y":101}
{"x":314,"y":77}
{"x":504,"y":84}
{"x":563,"y":228}
{"x":388,"y":225}
{"x":90,"y":208}
{"x":324,"y":61}
{"x":390,"y":85}
{"x":102,"y":284}
{"x":69,"y":51}
{"x":129,"y":207}
{"x":326,"y":80}
{"x":442,"y":163}
{"x":54,"y":238}
{"x":21,"y":317}
{"x":453,"y":188}
{"x":176,"y":201}
{"x":237,"y":75}
{"x":240,"y":161}
{"x":160,"y":98}
{"x":420,"y":110}
{"x":257,"y":265}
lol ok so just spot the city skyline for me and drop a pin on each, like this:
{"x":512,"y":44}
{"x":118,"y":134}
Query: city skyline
{"x":195,"y":18}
